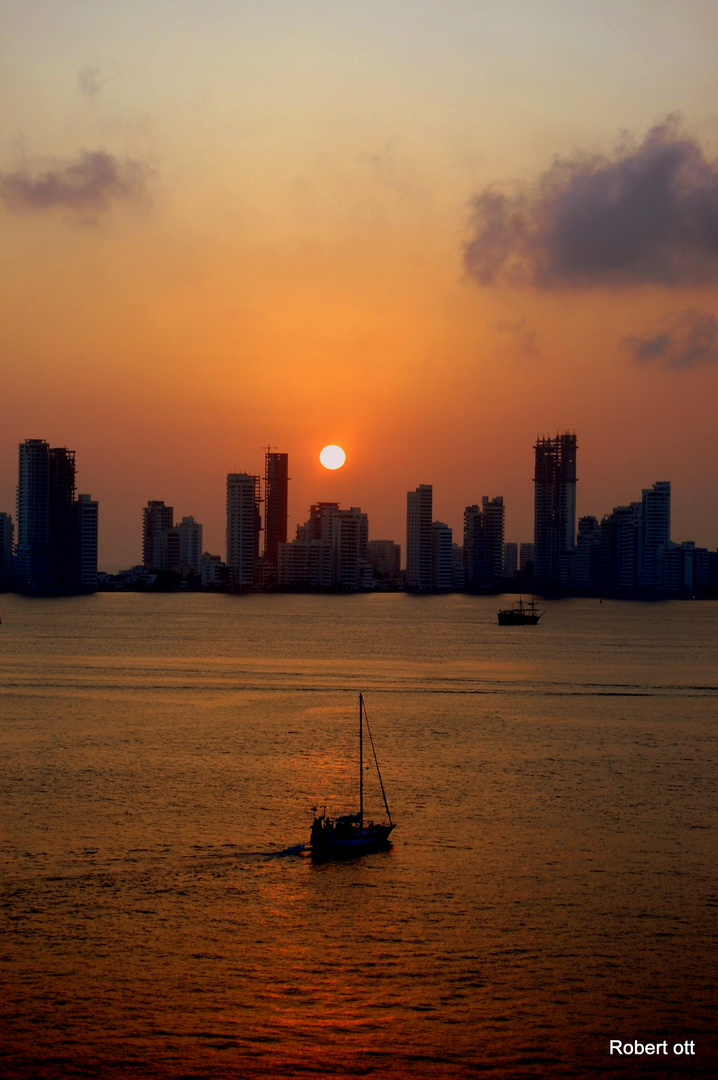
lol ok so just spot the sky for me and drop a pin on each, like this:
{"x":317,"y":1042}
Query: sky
{"x":426,"y":231}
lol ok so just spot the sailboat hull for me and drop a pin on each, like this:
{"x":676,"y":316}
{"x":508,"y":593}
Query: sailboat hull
{"x":357,"y":842}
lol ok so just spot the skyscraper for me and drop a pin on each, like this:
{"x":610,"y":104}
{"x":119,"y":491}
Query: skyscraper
{"x":190,"y":545}
{"x":555,"y":508}
{"x":484,"y":542}
{"x":441,"y":556}
{"x":418,"y":537}
{"x":156,"y":519}
{"x":33,"y":512}
{"x":87,"y":517}
{"x":49,"y":522}
{"x":6,"y":545}
{"x":63,"y":534}
{"x":243,"y":527}
{"x":276,"y":487}
{"x":655,"y":531}
{"x":620,"y":548}
{"x":511,"y":560}
{"x":343,"y":535}
{"x":588,"y":553}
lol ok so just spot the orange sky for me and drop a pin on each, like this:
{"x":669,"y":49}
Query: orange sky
{"x":230,"y":224}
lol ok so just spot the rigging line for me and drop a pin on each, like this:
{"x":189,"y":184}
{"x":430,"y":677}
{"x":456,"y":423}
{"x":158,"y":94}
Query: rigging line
{"x":376,"y":762}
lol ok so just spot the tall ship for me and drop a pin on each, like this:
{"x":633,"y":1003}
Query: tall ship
{"x":349,"y":834}
{"x":520,"y":614}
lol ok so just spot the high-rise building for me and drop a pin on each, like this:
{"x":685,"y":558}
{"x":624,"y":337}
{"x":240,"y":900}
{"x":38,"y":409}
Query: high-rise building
{"x":190,"y":545}
{"x":167,"y":550}
{"x":385,"y":559}
{"x":243,"y":528}
{"x":349,"y":529}
{"x":458,"y":570}
{"x":49,"y":548}
{"x":418,"y":537}
{"x":87,"y":520}
{"x":276,"y":489}
{"x":6,"y":546}
{"x":510,"y":559}
{"x":344,"y":534}
{"x":304,"y":563}
{"x":484,"y":542}
{"x":441,"y":556}
{"x":588,"y":553}
{"x":63,"y":536}
{"x":636,"y":550}
{"x":620,"y":548}
{"x":526,"y":559}
{"x":555,"y":508}
{"x":655,"y":530}
{"x":684,"y":568}
{"x":33,"y":514}
{"x":213,"y":571}
{"x":156,"y":518}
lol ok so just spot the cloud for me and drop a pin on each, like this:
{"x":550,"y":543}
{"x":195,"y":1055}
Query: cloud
{"x":684,"y":339}
{"x":92,"y":183}
{"x":648,"y":214}
{"x":89,"y":82}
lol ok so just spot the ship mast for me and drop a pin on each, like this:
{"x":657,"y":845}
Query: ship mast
{"x":361,"y":761}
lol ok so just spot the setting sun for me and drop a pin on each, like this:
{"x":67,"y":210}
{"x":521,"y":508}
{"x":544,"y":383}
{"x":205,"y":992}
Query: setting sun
{"x":332,"y":457}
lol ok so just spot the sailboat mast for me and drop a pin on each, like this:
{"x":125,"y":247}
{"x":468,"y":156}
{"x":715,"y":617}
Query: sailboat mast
{"x":361,"y":760}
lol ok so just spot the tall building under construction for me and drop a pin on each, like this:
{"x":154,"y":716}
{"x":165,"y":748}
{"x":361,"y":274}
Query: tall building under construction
{"x":276,"y":489}
{"x":555,"y":509}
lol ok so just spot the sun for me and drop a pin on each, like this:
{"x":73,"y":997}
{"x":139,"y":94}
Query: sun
{"x":332,"y":457}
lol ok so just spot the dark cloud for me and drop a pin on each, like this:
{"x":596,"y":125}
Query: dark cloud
{"x":648,"y":214}
{"x":89,"y":184}
{"x":683,"y":339}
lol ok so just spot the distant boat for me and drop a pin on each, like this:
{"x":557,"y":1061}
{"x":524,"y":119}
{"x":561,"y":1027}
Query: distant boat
{"x":336,"y":838}
{"x":520,"y":614}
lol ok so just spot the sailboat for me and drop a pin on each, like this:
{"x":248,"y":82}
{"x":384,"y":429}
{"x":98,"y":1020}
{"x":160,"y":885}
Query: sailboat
{"x":520,"y":614}
{"x":349,"y":834}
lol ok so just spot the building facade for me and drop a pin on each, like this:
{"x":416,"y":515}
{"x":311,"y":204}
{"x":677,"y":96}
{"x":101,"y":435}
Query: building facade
{"x":526,"y":559}
{"x":442,"y":577}
{"x":276,"y":494}
{"x":7,"y":565}
{"x":334,"y":552}
{"x":243,"y":528}
{"x":588,"y":553}
{"x":484,"y":542}
{"x":385,"y":560}
{"x":419,"y":508}
{"x":555,"y":509}
{"x":190,"y":546}
{"x":620,"y":549}
{"x":655,"y":531}
{"x":33,"y":515}
{"x":63,"y":537}
{"x":156,"y":519}
{"x":510,"y":559}
{"x":50,"y":557}
{"x":88,"y":531}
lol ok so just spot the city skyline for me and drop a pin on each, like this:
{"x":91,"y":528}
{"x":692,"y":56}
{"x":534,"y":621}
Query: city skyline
{"x":630,"y":551}
{"x":420,"y":235}
{"x":214,"y":538}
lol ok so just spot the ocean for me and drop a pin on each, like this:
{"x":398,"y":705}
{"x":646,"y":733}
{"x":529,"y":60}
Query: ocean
{"x":547,"y":908}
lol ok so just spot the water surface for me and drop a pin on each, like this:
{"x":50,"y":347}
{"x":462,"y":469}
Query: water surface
{"x":551,"y":885}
